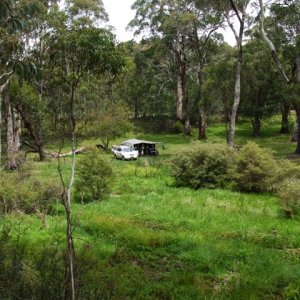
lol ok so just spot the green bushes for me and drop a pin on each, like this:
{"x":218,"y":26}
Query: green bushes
{"x":27,"y":195}
{"x":208,"y":166}
{"x":252,"y":169}
{"x":289,"y":195}
{"x":93,"y":177}
{"x":255,"y":169}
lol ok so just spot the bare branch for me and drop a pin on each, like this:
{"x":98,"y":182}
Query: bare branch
{"x":270,"y":44}
{"x":6,"y":74}
{"x":232,"y":27}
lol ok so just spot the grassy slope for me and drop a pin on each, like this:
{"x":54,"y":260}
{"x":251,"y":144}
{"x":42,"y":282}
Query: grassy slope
{"x":150,"y":240}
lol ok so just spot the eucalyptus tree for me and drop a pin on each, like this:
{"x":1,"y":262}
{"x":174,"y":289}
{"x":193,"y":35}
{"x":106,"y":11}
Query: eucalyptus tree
{"x":261,"y":95}
{"x":217,"y":86}
{"x":236,"y":16}
{"x":287,"y":16}
{"x":171,"y":21}
{"x":203,"y":41}
{"x":15,"y":20}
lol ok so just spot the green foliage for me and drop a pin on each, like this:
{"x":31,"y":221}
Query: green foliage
{"x":166,"y":242}
{"x":178,"y":127}
{"x":255,"y":169}
{"x":94,"y":177}
{"x":289,"y":195}
{"x":27,"y":194}
{"x":35,"y":272}
{"x":112,"y":123}
{"x":32,"y":110}
{"x":207,"y":166}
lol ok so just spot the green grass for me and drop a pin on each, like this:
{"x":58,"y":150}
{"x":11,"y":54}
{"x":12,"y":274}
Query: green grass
{"x":151,"y":240}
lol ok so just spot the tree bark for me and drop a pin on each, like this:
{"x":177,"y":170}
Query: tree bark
{"x":187,"y":125}
{"x":10,"y":152}
{"x":297,"y":109}
{"x":285,"y":110}
{"x":34,"y":134}
{"x":184,"y":90}
{"x":256,"y":125}
{"x":179,"y":95}
{"x":202,"y":124}
{"x":295,"y":132}
{"x":236,"y":101}
{"x":201,"y":112}
{"x":17,"y":130}
{"x":2,"y":88}
{"x":67,"y":199}
{"x":237,"y":88}
{"x":256,"y":121}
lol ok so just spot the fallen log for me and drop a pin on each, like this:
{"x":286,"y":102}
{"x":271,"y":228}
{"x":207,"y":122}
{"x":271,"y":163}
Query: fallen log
{"x":77,"y":151}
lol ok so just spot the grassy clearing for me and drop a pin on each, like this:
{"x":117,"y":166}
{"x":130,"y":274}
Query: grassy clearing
{"x":151,"y":240}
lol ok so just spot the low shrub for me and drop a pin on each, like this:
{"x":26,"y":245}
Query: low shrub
{"x":178,"y":128}
{"x":93,"y":177}
{"x":27,"y":195}
{"x":207,"y":166}
{"x":289,"y":195}
{"x":255,"y":170}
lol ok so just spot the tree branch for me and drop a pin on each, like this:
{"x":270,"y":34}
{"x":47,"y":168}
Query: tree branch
{"x":270,"y":44}
{"x":6,"y":74}
{"x":232,"y":27}
{"x":236,"y":11}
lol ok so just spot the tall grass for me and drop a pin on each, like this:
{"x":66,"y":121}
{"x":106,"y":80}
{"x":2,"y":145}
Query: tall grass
{"x":151,"y":240}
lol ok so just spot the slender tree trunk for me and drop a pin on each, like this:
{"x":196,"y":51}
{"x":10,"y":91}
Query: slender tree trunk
{"x":10,"y":163}
{"x":237,"y":89}
{"x":256,"y":125}
{"x":185,"y":94}
{"x":297,"y":109}
{"x":285,"y":110}
{"x":187,"y":125}
{"x":295,"y":132}
{"x":0,"y":130}
{"x":67,"y":199}
{"x":297,"y":105}
{"x":201,"y":112}
{"x":2,"y":88}
{"x":256,"y":116}
{"x":236,"y":101}
{"x":202,"y":124}
{"x":17,"y":130}
{"x":179,"y":96}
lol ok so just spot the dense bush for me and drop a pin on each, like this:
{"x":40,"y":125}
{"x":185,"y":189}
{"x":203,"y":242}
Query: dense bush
{"x":289,"y":195}
{"x":27,"y":195}
{"x":178,"y":127}
{"x":207,"y":166}
{"x":93,"y":177}
{"x":255,"y":169}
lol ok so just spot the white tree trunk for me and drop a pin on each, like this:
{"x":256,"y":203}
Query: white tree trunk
{"x":179,"y":95}
{"x":236,"y":102}
{"x":17,"y":130}
{"x":10,"y":164}
{"x":237,"y":89}
{"x":2,"y":87}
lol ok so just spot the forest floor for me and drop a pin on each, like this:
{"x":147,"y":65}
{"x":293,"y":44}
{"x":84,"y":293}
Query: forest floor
{"x":152,"y":240}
